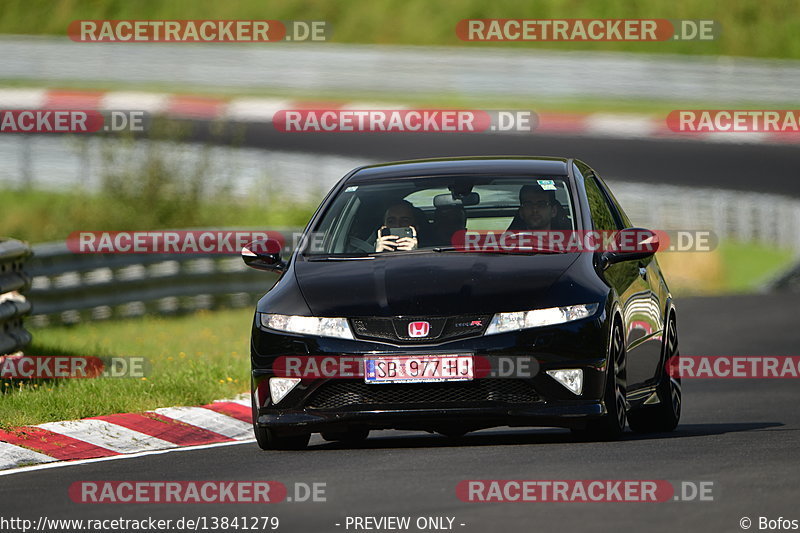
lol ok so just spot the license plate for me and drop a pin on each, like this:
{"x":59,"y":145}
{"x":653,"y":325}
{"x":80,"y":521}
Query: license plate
{"x":418,"y":368}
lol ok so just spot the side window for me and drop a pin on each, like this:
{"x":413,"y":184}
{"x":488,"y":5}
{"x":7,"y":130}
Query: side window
{"x":622,"y":219}
{"x":336,"y":224}
{"x":602,"y":217}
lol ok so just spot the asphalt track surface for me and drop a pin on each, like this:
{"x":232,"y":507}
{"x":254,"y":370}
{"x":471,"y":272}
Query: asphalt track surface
{"x":742,"y":435}
{"x":771,"y":168}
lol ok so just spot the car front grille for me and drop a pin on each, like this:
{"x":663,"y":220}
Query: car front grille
{"x":351,"y":393}
{"x":396,"y":329}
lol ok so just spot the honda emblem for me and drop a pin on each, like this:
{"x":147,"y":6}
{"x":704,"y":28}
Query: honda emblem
{"x":419,"y":329}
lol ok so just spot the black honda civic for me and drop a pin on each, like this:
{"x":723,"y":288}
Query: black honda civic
{"x":444,"y":295}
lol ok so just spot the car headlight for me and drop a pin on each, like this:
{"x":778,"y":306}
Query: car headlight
{"x":503,"y":322}
{"x":308,"y":325}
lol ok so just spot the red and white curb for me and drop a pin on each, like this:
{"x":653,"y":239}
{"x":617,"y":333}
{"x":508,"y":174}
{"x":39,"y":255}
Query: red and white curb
{"x":128,"y":433}
{"x":245,"y":109}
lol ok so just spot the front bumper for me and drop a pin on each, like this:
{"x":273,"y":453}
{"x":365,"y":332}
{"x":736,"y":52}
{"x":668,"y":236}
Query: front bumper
{"x":290,"y":421}
{"x":580,"y":344}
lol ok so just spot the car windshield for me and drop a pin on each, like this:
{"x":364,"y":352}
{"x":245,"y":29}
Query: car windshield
{"x":427,"y":213}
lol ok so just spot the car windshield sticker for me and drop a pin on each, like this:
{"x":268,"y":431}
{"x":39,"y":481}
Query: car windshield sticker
{"x":547,"y":185}
{"x":351,"y":188}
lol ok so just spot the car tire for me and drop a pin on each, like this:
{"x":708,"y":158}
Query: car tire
{"x":611,"y":425}
{"x":268,"y":440}
{"x":350,"y":436}
{"x":665,"y":415}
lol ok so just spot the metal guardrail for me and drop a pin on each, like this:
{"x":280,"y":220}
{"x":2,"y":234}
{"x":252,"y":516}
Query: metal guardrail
{"x":13,"y":305}
{"x":770,"y":220}
{"x":66,"y":162}
{"x":68,"y":288}
{"x":465,"y":71}
{"x":743,"y":216}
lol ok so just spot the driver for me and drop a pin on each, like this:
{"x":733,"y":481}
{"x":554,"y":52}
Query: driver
{"x":399,"y":215}
{"x":537,"y":208}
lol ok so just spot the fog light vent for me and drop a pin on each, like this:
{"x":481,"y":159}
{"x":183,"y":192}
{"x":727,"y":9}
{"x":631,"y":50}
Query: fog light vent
{"x":280,"y":387}
{"x":571,"y":378}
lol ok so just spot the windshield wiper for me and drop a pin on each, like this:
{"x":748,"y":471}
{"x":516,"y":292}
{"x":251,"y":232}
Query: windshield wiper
{"x":526,"y":250}
{"x":521,"y":251}
{"x":338,"y":257}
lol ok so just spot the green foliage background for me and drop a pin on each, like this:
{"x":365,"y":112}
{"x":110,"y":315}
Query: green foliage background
{"x":758,"y":28}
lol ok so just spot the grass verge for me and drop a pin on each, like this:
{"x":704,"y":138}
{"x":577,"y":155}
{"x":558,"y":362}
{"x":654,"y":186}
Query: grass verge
{"x":747,"y":266}
{"x":194,"y":359}
{"x":734,"y":267}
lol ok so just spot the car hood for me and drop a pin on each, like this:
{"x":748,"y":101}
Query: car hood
{"x":428,"y":284}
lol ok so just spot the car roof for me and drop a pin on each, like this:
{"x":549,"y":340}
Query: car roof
{"x":505,"y":165}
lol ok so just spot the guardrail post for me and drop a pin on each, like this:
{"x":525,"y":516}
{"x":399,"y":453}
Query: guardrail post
{"x":13,"y":305}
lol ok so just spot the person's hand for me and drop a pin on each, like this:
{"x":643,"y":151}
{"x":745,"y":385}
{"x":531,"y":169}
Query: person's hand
{"x":406,"y":244}
{"x":387,"y":243}
{"x":391,"y":243}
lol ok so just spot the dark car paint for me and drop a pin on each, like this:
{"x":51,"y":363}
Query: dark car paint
{"x":644,"y":301}
{"x":427,"y":283}
{"x":458,"y":282}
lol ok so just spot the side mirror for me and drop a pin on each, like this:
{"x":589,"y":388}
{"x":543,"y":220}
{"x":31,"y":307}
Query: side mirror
{"x":630,"y":244}
{"x":264,"y":255}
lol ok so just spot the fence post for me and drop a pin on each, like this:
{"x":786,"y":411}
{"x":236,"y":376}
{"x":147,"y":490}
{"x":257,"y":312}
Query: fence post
{"x":13,"y":305}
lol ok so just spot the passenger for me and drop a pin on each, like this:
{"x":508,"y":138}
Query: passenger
{"x":399,"y":215}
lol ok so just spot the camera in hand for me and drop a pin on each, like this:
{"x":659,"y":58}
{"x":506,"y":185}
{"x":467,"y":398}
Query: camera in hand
{"x":406,"y":231}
